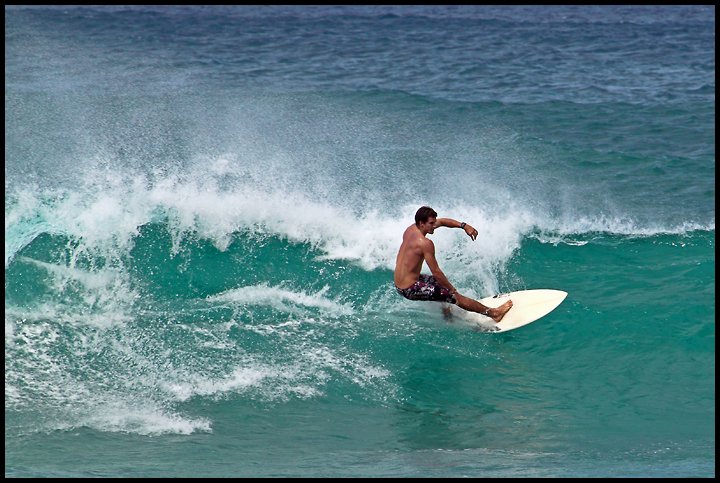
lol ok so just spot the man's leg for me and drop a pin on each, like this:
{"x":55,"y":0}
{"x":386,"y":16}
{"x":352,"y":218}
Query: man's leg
{"x":474,"y":306}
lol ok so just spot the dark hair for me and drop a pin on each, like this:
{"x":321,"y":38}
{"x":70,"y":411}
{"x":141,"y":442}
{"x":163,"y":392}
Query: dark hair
{"x":423,"y":214}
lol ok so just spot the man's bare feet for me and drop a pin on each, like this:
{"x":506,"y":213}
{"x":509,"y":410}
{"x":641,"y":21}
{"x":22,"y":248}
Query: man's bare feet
{"x":498,"y":313}
{"x":474,"y":306}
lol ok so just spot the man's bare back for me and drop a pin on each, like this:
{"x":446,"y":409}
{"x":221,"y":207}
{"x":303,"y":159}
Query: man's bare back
{"x":416,"y":248}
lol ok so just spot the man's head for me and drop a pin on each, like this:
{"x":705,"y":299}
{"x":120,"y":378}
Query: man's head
{"x":424,"y":215}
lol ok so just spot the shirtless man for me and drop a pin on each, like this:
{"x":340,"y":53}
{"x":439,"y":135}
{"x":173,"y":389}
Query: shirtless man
{"x":415,"y":249}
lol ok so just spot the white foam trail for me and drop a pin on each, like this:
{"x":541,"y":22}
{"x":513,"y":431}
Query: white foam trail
{"x":276,"y":297}
{"x":119,"y":416}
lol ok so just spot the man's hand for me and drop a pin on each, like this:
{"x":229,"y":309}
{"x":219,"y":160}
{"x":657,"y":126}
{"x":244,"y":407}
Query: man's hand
{"x":472,"y":232}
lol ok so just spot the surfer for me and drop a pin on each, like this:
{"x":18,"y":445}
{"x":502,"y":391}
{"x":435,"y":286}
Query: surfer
{"x":415,"y":249}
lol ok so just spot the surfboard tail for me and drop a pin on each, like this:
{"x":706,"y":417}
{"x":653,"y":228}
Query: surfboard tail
{"x":528,"y":306}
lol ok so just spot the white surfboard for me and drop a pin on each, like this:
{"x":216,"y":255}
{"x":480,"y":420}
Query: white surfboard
{"x":528,"y":306}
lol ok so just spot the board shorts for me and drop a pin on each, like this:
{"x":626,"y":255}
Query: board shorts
{"x":427,"y":288}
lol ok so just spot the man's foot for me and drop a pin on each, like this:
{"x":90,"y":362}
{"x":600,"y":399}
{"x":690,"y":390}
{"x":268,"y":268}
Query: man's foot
{"x":447,"y":313}
{"x":498,"y":313}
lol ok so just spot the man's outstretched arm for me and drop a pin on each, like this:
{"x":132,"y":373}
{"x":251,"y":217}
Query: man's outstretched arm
{"x":450,"y":223}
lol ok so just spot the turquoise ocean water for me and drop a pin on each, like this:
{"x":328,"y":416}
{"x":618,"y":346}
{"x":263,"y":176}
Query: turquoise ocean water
{"x":203,"y":208}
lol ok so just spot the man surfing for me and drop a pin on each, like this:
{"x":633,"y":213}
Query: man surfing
{"x":415,"y":249}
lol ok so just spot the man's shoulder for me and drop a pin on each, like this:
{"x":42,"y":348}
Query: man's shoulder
{"x":427,"y":243}
{"x":416,"y":239}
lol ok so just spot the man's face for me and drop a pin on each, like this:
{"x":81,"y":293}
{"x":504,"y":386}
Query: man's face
{"x":429,"y":226}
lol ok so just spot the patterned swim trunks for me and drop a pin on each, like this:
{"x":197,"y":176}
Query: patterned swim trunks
{"x":427,"y":288}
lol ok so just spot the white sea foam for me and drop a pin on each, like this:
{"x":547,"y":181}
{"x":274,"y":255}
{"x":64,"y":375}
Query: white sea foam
{"x":145,"y":418}
{"x":240,"y":379}
{"x":107,"y":214}
{"x":278,"y":298}
{"x":41,"y":383}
